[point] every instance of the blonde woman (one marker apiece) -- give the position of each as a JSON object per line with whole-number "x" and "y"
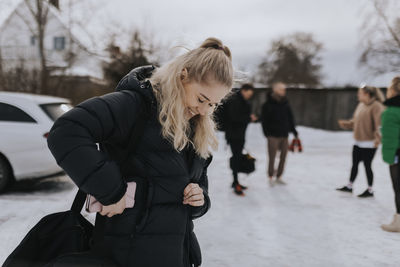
{"x": 169, "y": 165}
{"x": 365, "y": 124}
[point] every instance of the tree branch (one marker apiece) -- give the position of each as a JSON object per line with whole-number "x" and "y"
{"x": 385, "y": 19}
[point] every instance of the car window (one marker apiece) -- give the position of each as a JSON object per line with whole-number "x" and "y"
{"x": 14, "y": 114}
{"x": 55, "y": 110}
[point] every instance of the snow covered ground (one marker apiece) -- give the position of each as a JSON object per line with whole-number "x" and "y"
{"x": 305, "y": 223}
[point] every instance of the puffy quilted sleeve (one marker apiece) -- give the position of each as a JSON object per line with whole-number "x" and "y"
{"x": 73, "y": 137}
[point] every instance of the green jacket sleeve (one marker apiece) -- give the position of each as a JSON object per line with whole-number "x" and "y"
{"x": 390, "y": 134}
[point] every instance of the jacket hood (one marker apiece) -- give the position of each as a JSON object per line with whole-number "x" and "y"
{"x": 393, "y": 102}
{"x": 135, "y": 81}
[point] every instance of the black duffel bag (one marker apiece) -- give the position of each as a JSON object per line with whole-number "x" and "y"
{"x": 244, "y": 164}
{"x": 55, "y": 236}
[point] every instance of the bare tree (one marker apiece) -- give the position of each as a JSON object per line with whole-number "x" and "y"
{"x": 78, "y": 18}
{"x": 39, "y": 11}
{"x": 380, "y": 37}
{"x": 293, "y": 59}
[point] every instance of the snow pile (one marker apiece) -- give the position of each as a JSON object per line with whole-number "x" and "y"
{"x": 305, "y": 223}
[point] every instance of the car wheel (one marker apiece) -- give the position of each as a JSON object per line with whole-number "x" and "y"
{"x": 5, "y": 174}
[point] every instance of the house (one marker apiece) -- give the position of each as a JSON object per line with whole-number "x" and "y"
{"x": 66, "y": 56}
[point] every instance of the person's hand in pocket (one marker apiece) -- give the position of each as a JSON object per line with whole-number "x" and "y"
{"x": 193, "y": 195}
{"x": 114, "y": 209}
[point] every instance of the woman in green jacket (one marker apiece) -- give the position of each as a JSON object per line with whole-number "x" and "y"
{"x": 391, "y": 146}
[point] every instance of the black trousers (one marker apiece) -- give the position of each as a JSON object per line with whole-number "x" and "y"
{"x": 237, "y": 149}
{"x": 365, "y": 155}
{"x": 395, "y": 175}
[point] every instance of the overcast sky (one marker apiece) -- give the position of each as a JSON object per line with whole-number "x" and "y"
{"x": 248, "y": 27}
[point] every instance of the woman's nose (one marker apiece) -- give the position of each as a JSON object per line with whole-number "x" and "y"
{"x": 203, "y": 109}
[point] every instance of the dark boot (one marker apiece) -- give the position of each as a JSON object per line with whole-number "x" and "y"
{"x": 242, "y": 186}
{"x": 345, "y": 189}
{"x": 238, "y": 190}
{"x": 366, "y": 194}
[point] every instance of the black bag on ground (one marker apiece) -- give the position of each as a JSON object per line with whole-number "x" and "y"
{"x": 54, "y": 235}
{"x": 246, "y": 164}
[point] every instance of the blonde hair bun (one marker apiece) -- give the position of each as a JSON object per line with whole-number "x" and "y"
{"x": 216, "y": 43}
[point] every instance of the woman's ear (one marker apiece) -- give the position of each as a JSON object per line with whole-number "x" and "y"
{"x": 184, "y": 74}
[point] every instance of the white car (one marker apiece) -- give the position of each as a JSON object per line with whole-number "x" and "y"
{"x": 25, "y": 121}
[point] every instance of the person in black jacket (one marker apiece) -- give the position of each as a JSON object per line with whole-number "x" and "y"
{"x": 277, "y": 121}
{"x": 169, "y": 164}
{"x": 238, "y": 117}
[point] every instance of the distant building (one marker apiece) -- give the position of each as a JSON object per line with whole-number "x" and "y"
{"x": 74, "y": 71}
{"x": 65, "y": 54}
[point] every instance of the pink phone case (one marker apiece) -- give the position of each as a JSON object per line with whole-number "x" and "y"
{"x": 92, "y": 205}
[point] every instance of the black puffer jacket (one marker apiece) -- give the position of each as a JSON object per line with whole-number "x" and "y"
{"x": 277, "y": 117}
{"x": 238, "y": 113}
{"x": 158, "y": 231}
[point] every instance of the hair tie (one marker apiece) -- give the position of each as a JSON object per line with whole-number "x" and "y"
{"x": 218, "y": 47}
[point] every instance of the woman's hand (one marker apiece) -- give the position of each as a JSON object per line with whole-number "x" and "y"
{"x": 344, "y": 124}
{"x": 193, "y": 195}
{"x": 114, "y": 209}
{"x": 376, "y": 143}
{"x": 253, "y": 117}
{"x": 341, "y": 123}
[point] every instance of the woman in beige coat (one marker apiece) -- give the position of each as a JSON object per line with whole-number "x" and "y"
{"x": 365, "y": 124}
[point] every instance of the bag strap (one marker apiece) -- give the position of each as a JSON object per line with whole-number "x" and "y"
{"x": 79, "y": 201}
